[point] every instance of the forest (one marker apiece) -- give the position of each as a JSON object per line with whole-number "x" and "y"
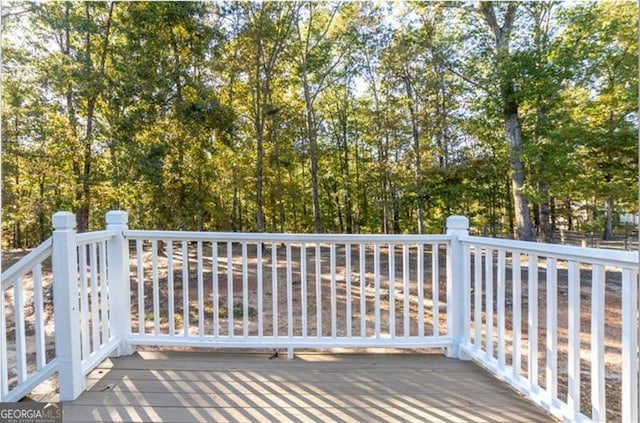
{"x": 346, "y": 117}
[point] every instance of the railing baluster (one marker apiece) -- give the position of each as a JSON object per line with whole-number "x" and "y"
{"x": 199, "y": 264}
{"x": 332, "y": 271}
{"x": 598, "y": 401}
{"x": 573, "y": 397}
{"x": 501, "y": 307}
{"x": 376, "y": 283}
{"x": 104, "y": 292}
{"x": 363, "y": 294}
{"x": 477, "y": 297}
{"x": 516, "y": 279}
{"x": 488, "y": 261}
{"x": 406, "y": 290}
{"x": 289, "y": 293}
{"x": 95, "y": 304}
{"x": 466, "y": 274}
{"x": 21, "y": 349}
{"x": 318, "y": 294}
{"x": 4, "y": 373}
{"x": 170, "y": 288}
{"x": 420, "y": 276}
{"x": 216, "y": 291}
{"x": 303, "y": 288}
{"x": 38, "y": 317}
{"x": 185, "y": 289}
{"x": 156, "y": 288}
{"x": 140, "y": 277}
{"x": 274, "y": 288}
{"x": 347, "y": 276}
{"x": 245, "y": 291}
{"x": 532, "y": 329}
{"x": 392, "y": 290}
{"x": 629, "y": 346}
{"x": 84, "y": 301}
{"x": 435, "y": 283}
{"x": 230, "y": 305}
{"x": 551, "y": 374}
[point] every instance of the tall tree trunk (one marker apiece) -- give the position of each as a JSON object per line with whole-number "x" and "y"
{"x": 524, "y": 229}
{"x": 276, "y": 155}
{"x": 569, "y": 211}
{"x": 344, "y": 135}
{"x": 385, "y": 189}
{"x": 234, "y": 207}
{"x": 510, "y": 211}
{"x": 361, "y": 211}
{"x": 65, "y": 46}
{"x": 84, "y": 210}
{"x": 541, "y": 43}
{"x": 259, "y": 126}
{"x": 544, "y": 213}
{"x": 608, "y": 219}
{"x": 313, "y": 148}
{"x": 336, "y": 197}
{"x": 415, "y": 134}
{"x": 552, "y": 216}
{"x": 294, "y": 208}
{"x": 381, "y": 128}
{"x": 442, "y": 138}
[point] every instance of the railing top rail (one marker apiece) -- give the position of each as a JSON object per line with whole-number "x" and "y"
{"x": 285, "y": 237}
{"x": 26, "y": 263}
{"x": 624, "y": 259}
{"x": 85, "y": 238}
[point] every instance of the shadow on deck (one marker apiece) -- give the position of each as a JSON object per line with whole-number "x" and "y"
{"x": 239, "y": 387}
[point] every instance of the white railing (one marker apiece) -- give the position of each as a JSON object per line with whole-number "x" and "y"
{"x": 96, "y": 338}
{"x": 288, "y": 291}
{"x": 537, "y": 317}
{"x": 557, "y": 323}
{"x": 72, "y": 283}
{"x": 25, "y": 294}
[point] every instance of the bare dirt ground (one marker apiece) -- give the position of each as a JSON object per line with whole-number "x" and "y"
{"x": 347, "y": 305}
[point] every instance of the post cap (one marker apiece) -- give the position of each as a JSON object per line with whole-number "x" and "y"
{"x": 117, "y": 217}
{"x": 64, "y": 220}
{"x": 457, "y": 223}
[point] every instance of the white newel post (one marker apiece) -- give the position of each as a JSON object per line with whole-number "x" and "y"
{"x": 66, "y": 306}
{"x": 456, "y": 291}
{"x": 119, "y": 289}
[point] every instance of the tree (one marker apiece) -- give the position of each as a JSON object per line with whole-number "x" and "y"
{"x": 387, "y": 119}
{"x": 605, "y": 38}
{"x": 510, "y": 103}
{"x": 317, "y": 58}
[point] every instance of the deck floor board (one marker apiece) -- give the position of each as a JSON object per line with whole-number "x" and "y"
{"x": 240, "y": 387}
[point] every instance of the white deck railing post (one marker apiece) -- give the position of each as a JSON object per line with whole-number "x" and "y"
{"x": 456, "y": 290}
{"x": 119, "y": 285}
{"x": 630, "y": 391}
{"x": 66, "y": 306}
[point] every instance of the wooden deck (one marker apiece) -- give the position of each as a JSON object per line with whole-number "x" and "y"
{"x": 238, "y": 387}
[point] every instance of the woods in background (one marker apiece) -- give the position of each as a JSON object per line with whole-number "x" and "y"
{"x": 319, "y": 116}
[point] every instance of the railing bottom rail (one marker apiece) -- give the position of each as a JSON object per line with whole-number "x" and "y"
{"x": 286, "y": 342}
